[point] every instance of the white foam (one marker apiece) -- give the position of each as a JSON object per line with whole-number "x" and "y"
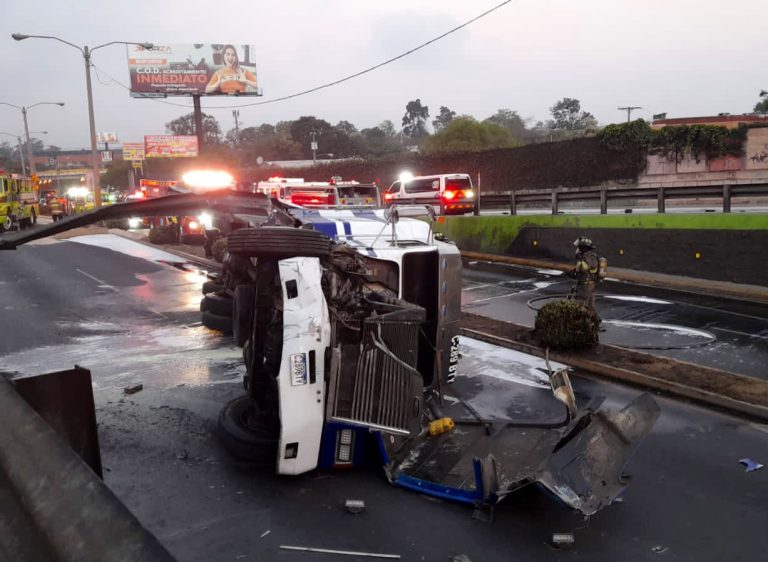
{"x": 125, "y": 246}
{"x": 648, "y": 300}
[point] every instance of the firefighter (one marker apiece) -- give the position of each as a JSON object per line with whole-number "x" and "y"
{"x": 56, "y": 208}
{"x": 589, "y": 270}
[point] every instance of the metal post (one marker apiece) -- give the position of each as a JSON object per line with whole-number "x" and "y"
{"x": 58, "y": 179}
{"x": 554, "y": 201}
{"x": 21, "y": 155}
{"x": 476, "y": 211}
{"x": 95, "y": 168}
{"x": 313, "y": 145}
{"x": 31, "y": 161}
{"x": 726, "y": 198}
{"x": 603, "y": 201}
{"x": 661, "y": 202}
{"x": 512, "y": 203}
{"x": 198, "y": 121}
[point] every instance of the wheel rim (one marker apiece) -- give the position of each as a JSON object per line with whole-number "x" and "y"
{"x": 7, "y": 223}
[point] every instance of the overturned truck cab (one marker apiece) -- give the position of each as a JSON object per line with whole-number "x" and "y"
{"x": 349, "y": 322}
{"x": 352, "y": 323}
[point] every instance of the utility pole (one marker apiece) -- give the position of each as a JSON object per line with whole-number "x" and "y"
{"x": 629, "y": 109}
{"x": 236, "y": 114}
{"x": 314, "y": 147}
{"x": 21, "y": 155}
{"x": 198, "y": 121}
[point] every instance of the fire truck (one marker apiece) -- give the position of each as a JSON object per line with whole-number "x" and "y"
{"x": 19, "y": 201}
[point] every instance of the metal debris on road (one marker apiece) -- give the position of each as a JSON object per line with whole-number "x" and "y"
{"x": 133, "y": 389}
{"x": 341, "y": 552}
{"x": 658, "y": 549}
{"x": 183, "y": 455}
{"x": 563, "y": 540}
{"x": 751, "y": 465}
{"x": 354, "y": 506}
{"x": 460, "y": 558}
{"x": 265, "y": 533}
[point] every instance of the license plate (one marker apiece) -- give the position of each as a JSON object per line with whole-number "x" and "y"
{"x": 298, "y": 369}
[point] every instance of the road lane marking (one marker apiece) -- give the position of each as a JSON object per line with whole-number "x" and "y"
{"x": 102, "y": 284}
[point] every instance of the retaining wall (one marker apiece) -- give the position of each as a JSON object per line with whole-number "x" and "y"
{"x": 719, "y": 247}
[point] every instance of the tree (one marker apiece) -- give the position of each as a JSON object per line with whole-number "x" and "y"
{"x": 185, "y": 125}
{"x": 117, "y": 174}
{"x": 415, "y": 120}
{"x": 302, "y": 133}
{"x": 762, "y": 105}
{"x": 443, "y": 119}
{"x": 388, "y": 127}
{"x": 511, "y": 121}
{"x": 568, "y": 115}
{"x": 269, "y": 142}
{"x": 465, "y": 134}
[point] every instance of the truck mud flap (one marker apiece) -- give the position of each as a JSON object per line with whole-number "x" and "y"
{"x": 585, "y": 470}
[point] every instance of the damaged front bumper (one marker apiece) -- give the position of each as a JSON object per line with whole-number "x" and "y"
{"x": 580, "y": 460}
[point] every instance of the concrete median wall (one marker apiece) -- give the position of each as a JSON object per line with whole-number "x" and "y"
{"x": 719, "y": 247}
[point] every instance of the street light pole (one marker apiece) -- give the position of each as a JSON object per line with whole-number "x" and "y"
{"x": 24, "y": 110}
{"x": 95, "y": 160}
{"x": 87, "y": 52}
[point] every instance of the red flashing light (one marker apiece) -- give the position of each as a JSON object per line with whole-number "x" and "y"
{"x": 389, "y": 196}
{"x": 450, "y": 195}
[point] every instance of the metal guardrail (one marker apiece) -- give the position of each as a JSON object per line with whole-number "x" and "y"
{"x": 661, "y": 195}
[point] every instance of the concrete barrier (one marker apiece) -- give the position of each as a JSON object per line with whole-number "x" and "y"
{"x": 52, "y": 506}
{"x": 716, "y": 247}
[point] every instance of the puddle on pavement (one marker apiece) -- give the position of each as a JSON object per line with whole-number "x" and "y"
{"x": 156, "y": 356}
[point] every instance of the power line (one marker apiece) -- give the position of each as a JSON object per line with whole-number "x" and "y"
{"x": 340, "y": 80}
{"x": 629, "y": 109}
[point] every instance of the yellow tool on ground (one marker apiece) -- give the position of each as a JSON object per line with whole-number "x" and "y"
{"x": 440, "y": 426}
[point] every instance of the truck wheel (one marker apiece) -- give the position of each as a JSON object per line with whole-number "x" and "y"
{"x": 247, "y": 434}
{"x": 242, "y": 313}
{"x": 278, "y": 242}
{"x": 212, "y": 287}
{"x": 7, "y": 222}
{"x": 217, "y": 322}
{"x": 217, "y": 304}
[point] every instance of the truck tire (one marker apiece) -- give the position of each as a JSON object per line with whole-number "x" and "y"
{"x": 278, "y": 242}
{"x": 212, "y": 287}
{"x": 216, "y": 322}
{"x": 242, "y": 313}
{"x": 249, "y": 438}
{"x": 216, "y": 304}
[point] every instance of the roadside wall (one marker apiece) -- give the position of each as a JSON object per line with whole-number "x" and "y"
{"x": 720, "y": 247}
{"x": 571, "y": 163}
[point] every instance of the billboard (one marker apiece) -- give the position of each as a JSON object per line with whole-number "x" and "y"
{"x": 183, "y": 70}
{"x": 106, "y": 138}
{"x": 133, "y": 151}
{"x": 170, "y": 146}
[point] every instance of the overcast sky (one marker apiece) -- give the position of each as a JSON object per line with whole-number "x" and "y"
{"x": 682, "y": 57}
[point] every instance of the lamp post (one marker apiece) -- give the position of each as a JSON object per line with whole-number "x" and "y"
{"x": 21, "y": 149}
{"x": 86, "y": 52}
{"x": 24, "y": 110}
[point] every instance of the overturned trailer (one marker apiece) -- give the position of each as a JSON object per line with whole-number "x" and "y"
{"x": 349, "y": 323}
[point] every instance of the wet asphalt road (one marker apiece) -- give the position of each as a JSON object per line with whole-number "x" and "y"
{"x": 135, "y": 321}
{"x": 722, "y": 333}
